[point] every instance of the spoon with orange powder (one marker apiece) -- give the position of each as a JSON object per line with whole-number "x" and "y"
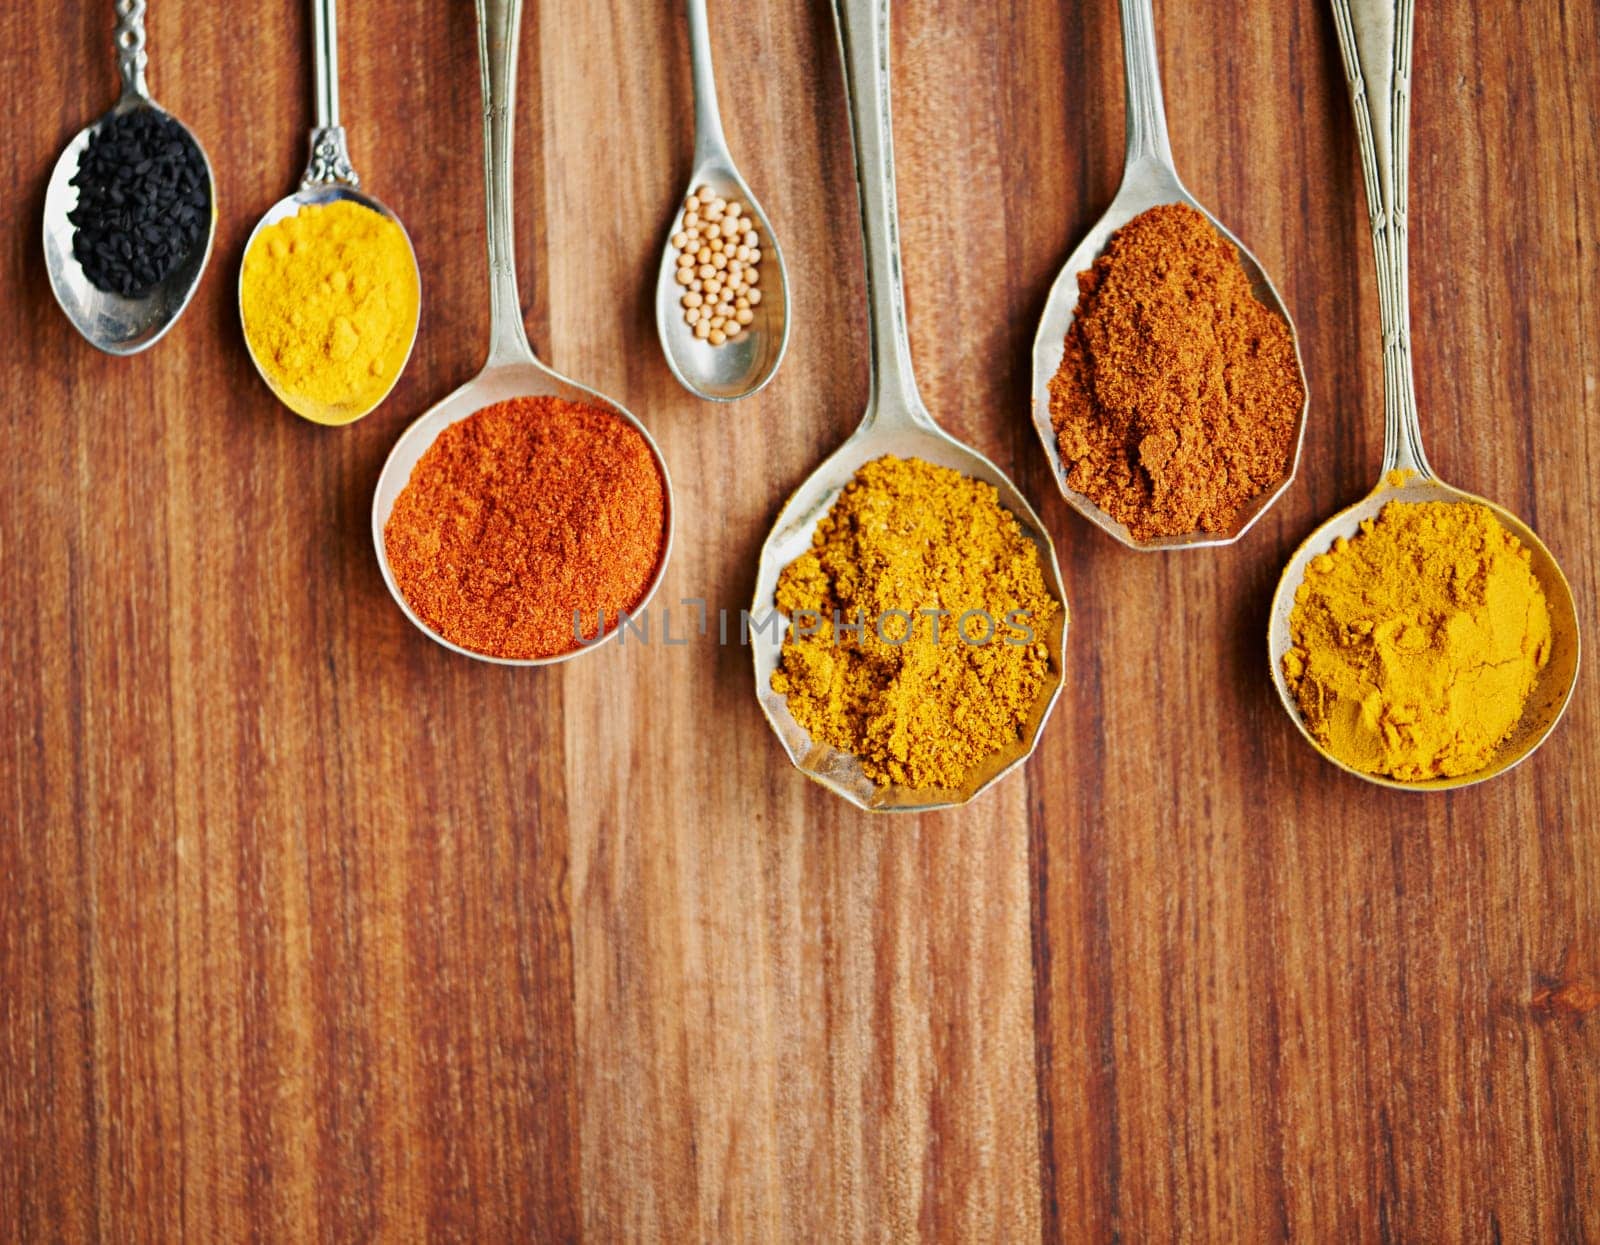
{"x": 512, "y": 370}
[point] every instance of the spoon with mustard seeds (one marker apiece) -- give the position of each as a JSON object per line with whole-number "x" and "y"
{"x": 711, "y": 364}
{"x": 511, "y": 370}
{"x": 125, "y": 323}
{"x": 329, "y": 178}
{"x": 1149, "y": 179}
{"x": 1375, "y": 40}
{"x": 895, "y": 422}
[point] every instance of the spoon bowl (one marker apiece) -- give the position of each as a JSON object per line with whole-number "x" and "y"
{"x": 1553, "y": 687}
{"x": 499, "y": 382}
{"x": 318, "y": 194}
{"x": 735, "y": 369}
{"x": 1149, "y": 179}
{"x": 110, "y": 322}
{"x": 1145, "y": 185}
{"x": 839, "y": 771}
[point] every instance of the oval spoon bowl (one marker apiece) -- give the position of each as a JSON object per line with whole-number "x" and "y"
{"x": 839, "y": 771}
{"x": 497, "y": 384}
{"x": 1553, "y": 687}
{"x": 1145, "y": 186}
{"x": 316, "y": 196}
{"x": 110, "y": 322}
{"x": 734, "y": 369}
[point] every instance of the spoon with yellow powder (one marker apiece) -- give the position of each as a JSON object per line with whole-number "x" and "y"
{"x": 1423, "y": 638}
{"x": 329, "y": 292}
{"x": 897, "y": 424}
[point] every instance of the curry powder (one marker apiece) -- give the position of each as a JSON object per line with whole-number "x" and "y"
{"x": 1416, "y": 644}
{"x": 914, "y": 566}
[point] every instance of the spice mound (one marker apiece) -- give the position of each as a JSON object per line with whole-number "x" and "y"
{"x": 144, "y": 202}
{"x": 1415, "y": 644}
{"x": 1178, "y": 392}
{"x": 523, "y": 522}
{"x": 719, "y": 257}
{"x": 330, "y": 298}
{"x": 926, "y": 607}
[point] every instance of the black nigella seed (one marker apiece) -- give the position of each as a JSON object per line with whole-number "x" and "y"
{"x": 142, "y": 194}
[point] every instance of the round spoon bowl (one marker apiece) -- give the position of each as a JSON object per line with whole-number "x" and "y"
{"x": 838, "y": 771}
{"x": 1553, "y": 687}
{"x": 734, "y": 369}
{"x": 110, "y": 322}
{"x": 1145, "y": 185}
{"x": 498, "y": 383}
{"x": 290, "y": 205}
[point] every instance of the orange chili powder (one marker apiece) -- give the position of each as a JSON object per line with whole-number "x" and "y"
{"x": 521, "y": 515}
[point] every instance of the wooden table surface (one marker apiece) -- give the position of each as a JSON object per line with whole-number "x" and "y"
{"x": 311, "y": 930}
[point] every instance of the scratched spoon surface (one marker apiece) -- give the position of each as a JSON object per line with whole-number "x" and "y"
{"x": 740, "y": 368}
{"x": 512, "y": 370}
{"x": 1149, "y": 179}
{"x": 1375, "y": 39}
{"x": 110, "y": 322}
{"x": 896, "y": 422}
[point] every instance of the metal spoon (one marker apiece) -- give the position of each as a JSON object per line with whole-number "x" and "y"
{"x": 895, "y": 422}
{"x": 739, "y": 368}
{"x": 1149, "y": 180}
{"x": 511, "y": 370}
{"x": 329, "y": 177}
{"x": 1375, "y": 38}
{"x": 110, "y": 322}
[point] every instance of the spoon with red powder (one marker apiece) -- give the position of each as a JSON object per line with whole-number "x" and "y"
{"x": 1149, "y": 440}
{"x": 519, "y": 515}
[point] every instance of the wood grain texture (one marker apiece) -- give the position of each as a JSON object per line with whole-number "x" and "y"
{"x": 310, "y": 930}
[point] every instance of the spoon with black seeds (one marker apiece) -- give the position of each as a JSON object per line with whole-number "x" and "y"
{"x": 130, "y": 212}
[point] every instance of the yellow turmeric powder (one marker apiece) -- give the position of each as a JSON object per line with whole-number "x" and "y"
{"x": 1416, "y": 644}
{"x": 926, "y": 609}
{"x": 329, "y": 298}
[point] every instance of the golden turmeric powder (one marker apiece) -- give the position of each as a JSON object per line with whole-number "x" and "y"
{"x": 1416, "y": 644}
{"x": 329, "y": 298}
{"x": 916, "y": 625}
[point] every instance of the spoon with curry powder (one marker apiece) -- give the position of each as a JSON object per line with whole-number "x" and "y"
{"x": 895, "y": 423}
{"x": 330, "y": 178}
{"x": 1149, "y": 180}
{"x": 1375, "y": 39}
{"x": 511, "y": 370}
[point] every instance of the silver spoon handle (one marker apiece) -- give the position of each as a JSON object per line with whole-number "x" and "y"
{"x": 709, "y": 141}
{"x": 863, "y": 27}
{"x": 131, "y": 55}
{"x": 1147, "y": 116}
{"x": 499, "y": 24}
{"x": 330, "y": 156}
{"x": 1375, "y": 38}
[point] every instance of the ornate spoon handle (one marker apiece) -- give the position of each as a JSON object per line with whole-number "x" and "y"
{"x": 131, "y": 55}
{"x": 330, "y": 157}
{"x": 1375, "y": 38}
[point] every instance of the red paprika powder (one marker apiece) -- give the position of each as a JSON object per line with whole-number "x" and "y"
{"x": 522, "y": 515}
